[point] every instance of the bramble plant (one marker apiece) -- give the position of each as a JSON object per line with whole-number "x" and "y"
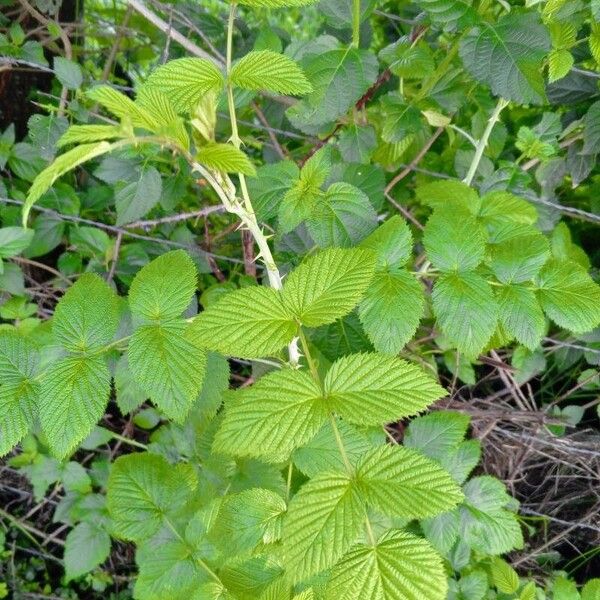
{"x": 292, "y": 486}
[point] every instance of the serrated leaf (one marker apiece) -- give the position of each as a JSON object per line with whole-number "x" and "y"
{"x": 13, "y": 240}
{"x": 466, "y": 311}
{"x": 442, "y": 531}
{"x": 163, "y": 289}
{"x": 73, "y": 398}
{"x": 520, "y": 258}
{"x": 276, "y": 3}
{"x": 505, "y": 577}
{"x": 591, "y": 590}
{"x": 328, "y": 285}
{"x": 87, "y": 316}
{"x": 521, "y": 315}
{"x": 451, "y": 195}
{"x": 454, "y": 241}
{"x": 185, "y": 81}
{"x": 507, "y": 56}
{"x": 266, "y": 70}
{"x": 280, "y": 412}
{"x": 138, "y": 197}
{"x": 19, "y": 361}
{"x": 391, "y": 242}
{"x": 391, "y": 310}
{"x": 342, "y": 217}
{"x": 122, "y": 106}
{"x": 64, "y": 163}
{"x": 400, "y": 119}
{"x": 569, "y": 296}
{"x": 271, "y": 183}
{"x": 460, "y": 12}
{"x": 86, "y": 546}
{"x": 249, "y": 323}
{"x": 437, "y": 434}
{"x": 323, "y": 520}
{"x": 357, "y": 143}
{"x": 560, "y": 62}
{"x": 372, "y": 389}
{"x": 168, "y": 365}
{"x": 78, "y": 134}
{"x": 400, "y": 482}
{"x": 401, "y": 566}
{"x": 503, "y": 208}
{"x": 226, "y": 158}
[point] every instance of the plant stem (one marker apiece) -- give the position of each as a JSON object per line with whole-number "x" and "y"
{"x": 483, "y": 142}
{"x": 309, "y": 360}
{"x": 356, "y": 23}
{"x": 129, "y": 441}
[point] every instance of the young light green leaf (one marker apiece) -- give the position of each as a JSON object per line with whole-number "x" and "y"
{"x": 501, "y": 208}
{"x": 266, "y": 70}
{"x": 466, "y": 311}
{"x": 19, "y": 360}
{"x": 521, "y": 315}
{"x": 372, "y": 389}
{"x": 79, "y": 134}
{"x": 163, "y": 289}
{"x": 323, "y": 520}
{"x": 403, "y": 483}
{"x": 401, "y": 566}
{"x": 280, "y": 412}
{"x": 276, "y": 3}
{"x": 185, "y": 81}
{"x": 249, "y": 323}
{"x": 451, "y": 195}
{"x": 122, "y": 106}
{"x": 328, "y": 285}
{"x": 86, "y": 547}
{"x": 226, "y": 158}
{"x": 569, "y": 296}
{"x": 506, "y": 579}
{"x": 391, "y": 310}
{"x": 73, "y": 398}
{"x": 507, "y": 56}
{"x": 87, "y": 316}
{"x": 168, "y": 365}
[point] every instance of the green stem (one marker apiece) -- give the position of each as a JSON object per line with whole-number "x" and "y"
{"x": 340, "y": 445}
{"x": 483, "y": 142}
{"x": 309, "y": 360}
{"x": 356, "y": 23}
{"x": 129, "y": 441}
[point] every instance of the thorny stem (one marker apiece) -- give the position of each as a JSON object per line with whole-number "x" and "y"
{"x": 483, "y": 142}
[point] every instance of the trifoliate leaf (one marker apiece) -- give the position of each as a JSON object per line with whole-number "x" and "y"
{"x": 403, "y": 483}
{"x": 19, "y": 361}
{"x": 328, "y": 285}
{"x": 454, "y": 241}
{"x": 323, "y": 520}
{"x": 163, "y": 289}
{"x": 73, "y": 398}
{"x": 521, "y": 315}
{"x": 185, "y": 81}
{"x": 401, "y": 566}
{"x": 507, "y": 56}
{"x": 342, "y": 217}
{"x": 391, "y": 310}
{"x": 280, "y": 412}
{"x": 249, "y": 323}
{"x": 466, "y": 311}
{"x": 168, "y": 365}
{"x": 520, "y": 258}
{"x": 569, "y": 296}
{"x": 86, "y": 547}
{"x": 226, "y": 158}
{"x": 266, "y": 70}
{"x": 87, "y": 316}
{"x": 372, "y": 389}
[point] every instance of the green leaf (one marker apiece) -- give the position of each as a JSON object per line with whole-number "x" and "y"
{"x": 450, "y": 195}
{"x": 560, "y": 62}
{"x": 68, "y": 72}
{"x": 163, "y": 289}
{"x": 507, "y": 56}
{"x": 226, "y": 158}
{"x": 342, "y": 217}
{"x": 400, "y": 119}
{"x": 328, "y": 285}
{"x": 437, "y": 434}
{"x": 408, "y": 60}
{"x": 372, "y": 389}
{"x": 460, "y": 12}
{"x": 391, "y": 310}
{"x": 78, "y": 134}
{"x": 521, "y": 315}
{"x": 138, "y": 197}
{"x": 266, "y": 70}
{"x": 454, "y": 241}
{"x": 520, "y": 258}
{"x": 247, "y": 518}
{"x": 401, "y": 566}
{"x": 64, "y": 163}
{"x": 271, "y": 183}
{"x": 357, "y": 143}
{"x": 87, "y": 316}
{"x": 591, "y": 590}
{"x": 73, "y": 398}
{"x": 569, "y": 296}
{"x": 403, "y": 483}
{"x": 505, "y": 577}
{"x": 280, "y": 412}
{"x": 168, "y": 365}
{"x": 19, "y": 361}
{"x": 13, "y": 240}
{"x": 86, "y": 547}
{"x": 122, "y": 106}
{"x": 323, "y": 520}
{"x": 591, "y": 130}
{"x": 466, "y": 311}
{"x": 502, "y": 208}
{"x": 276, "y": 3}
{"x": 142, "y": 489}
{"x": 250, "y": 323}
{"x": 185, "y": 81}
{"x": 391, "y": 242}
